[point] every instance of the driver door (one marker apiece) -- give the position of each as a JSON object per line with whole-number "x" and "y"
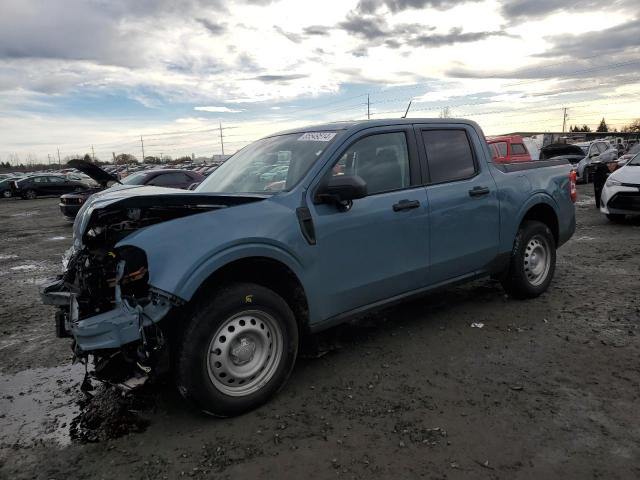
{"x": 379, "y": 247}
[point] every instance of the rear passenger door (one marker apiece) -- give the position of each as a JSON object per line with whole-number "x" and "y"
{"x": 59, "y": 186}
{"x": 463, "y": 201}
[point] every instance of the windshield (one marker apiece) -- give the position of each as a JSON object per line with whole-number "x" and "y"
{"x": 635, "y": 161}
{"x": 134, "y": 179}
{"x": 585, "y": 148}
{"x": 269, "y": 165}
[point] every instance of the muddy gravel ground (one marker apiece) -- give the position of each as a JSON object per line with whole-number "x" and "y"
{"x": 547, "y": 388}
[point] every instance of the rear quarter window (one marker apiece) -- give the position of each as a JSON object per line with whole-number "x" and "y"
{"x": 518, "y": 149}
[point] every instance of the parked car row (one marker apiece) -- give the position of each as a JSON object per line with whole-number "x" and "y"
{"x": 170, "y": 178}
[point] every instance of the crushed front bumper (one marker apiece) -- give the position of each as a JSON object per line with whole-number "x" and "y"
{"x": 107, "y": 330}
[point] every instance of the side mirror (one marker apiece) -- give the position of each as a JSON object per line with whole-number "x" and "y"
{"x": 342, "y": 189}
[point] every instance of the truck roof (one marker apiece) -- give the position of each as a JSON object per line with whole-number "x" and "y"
{"x": 354, "y": 126}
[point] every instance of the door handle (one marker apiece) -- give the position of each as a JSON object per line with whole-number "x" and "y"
{"x": 478, "y": 191}
{"x": 405, "y": 205}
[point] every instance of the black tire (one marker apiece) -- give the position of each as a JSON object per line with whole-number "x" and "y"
{"x": 616, "y": 217}
{"x": 7, "y": 194}
{"x": 29, "y": 195}
{"x": 520, "y": 280}
{"x": 195, "y": 374}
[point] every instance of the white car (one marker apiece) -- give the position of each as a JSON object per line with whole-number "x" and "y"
{"x": 621, "y": 193}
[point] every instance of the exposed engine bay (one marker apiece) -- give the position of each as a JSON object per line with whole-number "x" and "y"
{"x": 104, "y": 298}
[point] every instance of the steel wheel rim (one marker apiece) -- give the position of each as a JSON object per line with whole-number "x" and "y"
{"x": 6, "y": 194}
{"x": 31, "y": 195}
{"x": 537, "y": 260}
{"x": 244, "y": 353}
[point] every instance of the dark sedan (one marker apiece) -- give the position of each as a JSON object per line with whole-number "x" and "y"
{"x": 71, "y": 203}
{"x": 43, "y": 185}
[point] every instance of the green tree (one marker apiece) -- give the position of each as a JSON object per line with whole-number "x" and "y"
{"x": 603, "y": 126}
{"x": 585, "y": 128}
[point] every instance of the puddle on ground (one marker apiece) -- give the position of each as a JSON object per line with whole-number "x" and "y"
{"x": 47, "y": 404}
{"x": 55, "y": 239}
{"x": 39, "y": 404}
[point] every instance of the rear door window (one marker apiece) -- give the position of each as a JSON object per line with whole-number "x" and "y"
{"x": 449, "y": 155}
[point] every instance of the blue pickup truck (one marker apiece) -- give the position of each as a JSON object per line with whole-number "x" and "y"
{"x": 295, "y": 233}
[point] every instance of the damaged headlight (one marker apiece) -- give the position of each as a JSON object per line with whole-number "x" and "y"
{"x": 132, "y": 279}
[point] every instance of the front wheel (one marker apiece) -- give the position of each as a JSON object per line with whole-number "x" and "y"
{"x": 6, "y": 194}
{"x": 237, "y": 351}
{"x": 533, "y": 261}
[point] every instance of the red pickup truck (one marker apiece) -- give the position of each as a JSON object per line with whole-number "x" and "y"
{"x": 508, "y": 149}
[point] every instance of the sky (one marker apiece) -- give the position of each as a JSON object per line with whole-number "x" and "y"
{"x": 81, "y": 73}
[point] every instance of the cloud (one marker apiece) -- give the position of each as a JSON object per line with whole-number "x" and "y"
{"x": 278, "y": 78}
{"x": 213, "y": 28}
{"x": 617, "y": 39}
{"x": 318, "y": 30}
{"x": 533, "y": 9}
{"x": 217, "y": 109}
{"x": 294, "y": 37}
{"x": 376, "y": 31}
{"x": 395, "y": 6}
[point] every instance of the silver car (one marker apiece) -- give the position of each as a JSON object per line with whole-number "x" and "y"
{"x": 596, "y": 151}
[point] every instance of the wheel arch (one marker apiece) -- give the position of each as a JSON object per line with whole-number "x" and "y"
{"x": 267, "y": 272}
{"x": 545, "y": 213}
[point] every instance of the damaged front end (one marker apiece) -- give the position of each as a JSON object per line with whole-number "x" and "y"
{"x": 104, "y": 300}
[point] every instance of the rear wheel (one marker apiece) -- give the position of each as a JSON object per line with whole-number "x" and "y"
{"x": 29, "y": 195}
{"x": 616, "y": 217}
{"x": 533, "y": 261}
{"x": 237, "y": 351}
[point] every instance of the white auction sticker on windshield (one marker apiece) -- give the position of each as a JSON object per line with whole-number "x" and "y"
{"x": 317, "y": 137}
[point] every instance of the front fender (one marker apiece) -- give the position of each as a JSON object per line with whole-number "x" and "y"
{"x": 191, "y": 279}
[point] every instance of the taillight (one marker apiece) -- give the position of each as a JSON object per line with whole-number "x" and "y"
{"x": 573, "y": 192}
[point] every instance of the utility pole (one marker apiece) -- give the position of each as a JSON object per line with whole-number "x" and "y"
{"x": 93, "y": 154}
{"x": 368, "y": 111}
{"x": 221, "y": 140}
{"x": 49, "y": 157}
{"x": 142, "y": 143}
{"x": 564, "y": 119}
{"x": 59, "y": 161}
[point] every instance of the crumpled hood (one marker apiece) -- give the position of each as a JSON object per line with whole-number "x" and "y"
{"x": 137, "y": 196}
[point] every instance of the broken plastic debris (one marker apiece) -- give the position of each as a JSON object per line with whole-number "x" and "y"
{"x": 477, "y": 325}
